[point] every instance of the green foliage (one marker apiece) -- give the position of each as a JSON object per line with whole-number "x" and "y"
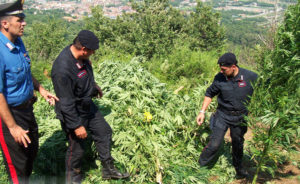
{"x": 101, "y": 26}
{"x": 155, "y": 28}
{"x": 41, "y": 70}
{"x": 203, "y": 28}
{"x": 184, "y": 67}
{"x": 3, "y": 177}
{"x": 242, "y": 32}
{"x": 148, "y": 148}
{"x": 52, "y": 142}
{"x": 44, "y": 40}
{"x": 146, "y": 32}
{"x": 157, "y": 24}
{"x": 168, "y": 145}
{"x": 34, "y": 15}
{"x": 278, "y": 94}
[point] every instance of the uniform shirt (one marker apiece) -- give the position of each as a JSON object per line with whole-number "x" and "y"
{"x": 15, "y": 75}
{"x": 74, "y": 85}
{"x": 233, "y": 93}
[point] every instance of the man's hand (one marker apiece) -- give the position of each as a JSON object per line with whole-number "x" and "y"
{"x": 200, "y": 118}
{"x": 100, "y": 93}
{"x": 20, "y": 135}
{"x": 49, "y": 97}
{"x": 201, "y": 115}
{"x": 80, "y": 132}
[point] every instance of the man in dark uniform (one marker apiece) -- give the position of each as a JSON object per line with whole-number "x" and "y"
{"x": 233, "y": 85}
{"x": 18, "y": 128}
{"x": 74, "y": 84}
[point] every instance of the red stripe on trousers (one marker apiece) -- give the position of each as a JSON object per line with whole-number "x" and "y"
{"x": 12, "y": 169}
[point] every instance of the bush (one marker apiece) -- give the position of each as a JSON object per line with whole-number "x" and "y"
{"x": 44, "y": 41}
{"x": 184, "y": 67}
{"x": 278, "y": 95}
{"x": 162, "y": 148}
{"x": 155, "y": 27}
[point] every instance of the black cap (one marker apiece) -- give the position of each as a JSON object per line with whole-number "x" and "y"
{"x": 88, "y": 39}
{"x": 227, "y": 59}
{"x": 15, "y": 9}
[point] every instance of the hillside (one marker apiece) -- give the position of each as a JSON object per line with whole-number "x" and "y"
{"x": 154, "y": 67}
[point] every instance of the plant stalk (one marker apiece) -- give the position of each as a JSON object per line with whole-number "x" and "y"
{"x": 262, "y": 158}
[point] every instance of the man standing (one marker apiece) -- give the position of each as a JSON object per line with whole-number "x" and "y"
{"x": 73, "y": 80}
{"x": 18, "y": 128}
{"x": 233, "y": 87}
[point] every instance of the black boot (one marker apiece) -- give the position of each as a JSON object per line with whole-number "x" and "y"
{"x": 241, "y": 172}
{"x": 110, "y": 172}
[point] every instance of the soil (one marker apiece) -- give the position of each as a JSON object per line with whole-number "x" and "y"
{"x": 286, "y": 174}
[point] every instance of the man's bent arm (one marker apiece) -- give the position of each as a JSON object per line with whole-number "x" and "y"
{"x": 206, "y": 103}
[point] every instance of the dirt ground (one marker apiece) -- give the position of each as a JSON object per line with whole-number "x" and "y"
{"x": 286, "y": 174}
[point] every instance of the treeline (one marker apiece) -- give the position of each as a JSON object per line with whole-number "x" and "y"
{"x": 243, "y": 32}
{"x": 155, "y": 29}
{"x": 157, "y": 33}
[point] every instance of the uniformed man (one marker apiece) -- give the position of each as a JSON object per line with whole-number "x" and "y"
{"x": 18, "y": 128}
{"x": 233, "y": 85}
{"x": 74, "y": 84}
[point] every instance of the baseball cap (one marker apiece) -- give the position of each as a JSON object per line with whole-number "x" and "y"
{"x": 88, "y": 39}
{"x": 227, "y": 59}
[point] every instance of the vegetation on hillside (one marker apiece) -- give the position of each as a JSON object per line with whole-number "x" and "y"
{"x": 154, "y": 67}
{"x": 156, "y": 29}
{"x": 276, "y": 117}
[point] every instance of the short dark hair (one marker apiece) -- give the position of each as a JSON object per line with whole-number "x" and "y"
{"x": 8, "y": 17}
{"x": 76, "y": 43}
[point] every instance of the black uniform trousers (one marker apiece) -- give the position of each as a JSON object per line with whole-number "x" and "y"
{"x": 18, "y": 159}
{"x": 101, "y": 134}
{"x": 219, "y": 128}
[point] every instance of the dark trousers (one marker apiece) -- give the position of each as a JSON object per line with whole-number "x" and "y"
{"x": 219, "y": 129}
{"x": 101, "y": 134}
{"x": 18, "y": 159}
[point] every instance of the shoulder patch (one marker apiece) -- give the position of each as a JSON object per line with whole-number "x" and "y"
{"x": 8, "y": 45}
{"x": 79, "y": 66}
{"x": 81, "y": 73}
{"x": 242, "y": 84}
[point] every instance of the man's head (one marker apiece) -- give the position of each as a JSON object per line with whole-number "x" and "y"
{"x": 12, "y": 21}
{"x": 228, "y": 64}
{"x": 12, "y": 25}
{"x": 86, "y": 43}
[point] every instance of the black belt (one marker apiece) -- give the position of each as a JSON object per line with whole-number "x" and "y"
{"x": 26, "y": 104}
{"x": 234, "y": 113}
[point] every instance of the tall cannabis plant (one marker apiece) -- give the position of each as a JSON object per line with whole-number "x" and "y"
{"x": 275, "y": 103}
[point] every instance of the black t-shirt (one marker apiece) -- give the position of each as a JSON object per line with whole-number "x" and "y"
{"x": 233, "y": 93}
{"x": 74, "y": 85}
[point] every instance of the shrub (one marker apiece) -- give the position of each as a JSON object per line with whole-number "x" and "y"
{"x": 278, "y": 95}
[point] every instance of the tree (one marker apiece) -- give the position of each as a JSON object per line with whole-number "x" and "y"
{"x": 155, "y": 27}
{"x": 204, "y": 29}
{"x": 46, "y": 40}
